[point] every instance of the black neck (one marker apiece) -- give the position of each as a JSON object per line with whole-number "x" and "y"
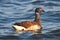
{"x": 37, "y": 18}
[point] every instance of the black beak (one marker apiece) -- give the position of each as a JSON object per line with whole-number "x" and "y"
{"x": 43, "y": 10}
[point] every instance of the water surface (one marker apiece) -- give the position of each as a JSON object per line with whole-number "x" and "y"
{"x": 12, "y": 11}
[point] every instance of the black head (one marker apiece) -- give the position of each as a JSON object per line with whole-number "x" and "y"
{"x": 38, "y": 10}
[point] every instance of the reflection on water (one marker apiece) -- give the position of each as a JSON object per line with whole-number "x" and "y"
{"x": 12, "y": 11}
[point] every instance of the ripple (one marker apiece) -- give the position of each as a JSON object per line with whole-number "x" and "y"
{"x": 14, "y": 3}
{"x": 51, "y": 4}
{"x": 4, "y": 5}
{"x": 37, "y": 2}
{"x": 1, "y": 12}
{"x": 4, "y": 28}
{"x": 10, "y": 37}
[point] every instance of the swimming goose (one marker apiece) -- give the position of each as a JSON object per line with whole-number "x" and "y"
{"x": 30, "y": 25}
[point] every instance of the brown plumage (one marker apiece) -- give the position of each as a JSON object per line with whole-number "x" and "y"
{"x": 26, "y": 24}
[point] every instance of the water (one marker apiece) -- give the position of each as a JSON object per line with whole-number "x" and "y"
{"x": 12, "y": 11}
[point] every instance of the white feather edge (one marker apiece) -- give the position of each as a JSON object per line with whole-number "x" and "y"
{"x": 19, "y": 27}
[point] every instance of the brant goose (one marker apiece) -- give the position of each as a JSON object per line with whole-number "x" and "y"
{"x": 34, "y": 26}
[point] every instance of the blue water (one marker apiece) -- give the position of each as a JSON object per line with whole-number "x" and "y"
{"x": 12, "y": 11}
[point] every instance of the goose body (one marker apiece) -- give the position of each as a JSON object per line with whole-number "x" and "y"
{"x": 30, "y": 25}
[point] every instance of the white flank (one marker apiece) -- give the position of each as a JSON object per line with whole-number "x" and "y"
{"x": 18, "y": 27}
{"x": 34, "y": 27}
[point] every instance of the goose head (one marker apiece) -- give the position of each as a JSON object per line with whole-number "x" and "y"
{"x": 39, "y": 10}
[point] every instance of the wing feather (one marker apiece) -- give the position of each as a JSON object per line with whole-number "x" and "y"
{"x": 26, "y": 24}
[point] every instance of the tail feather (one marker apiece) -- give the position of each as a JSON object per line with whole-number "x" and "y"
{"x": 18, "y": 27}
